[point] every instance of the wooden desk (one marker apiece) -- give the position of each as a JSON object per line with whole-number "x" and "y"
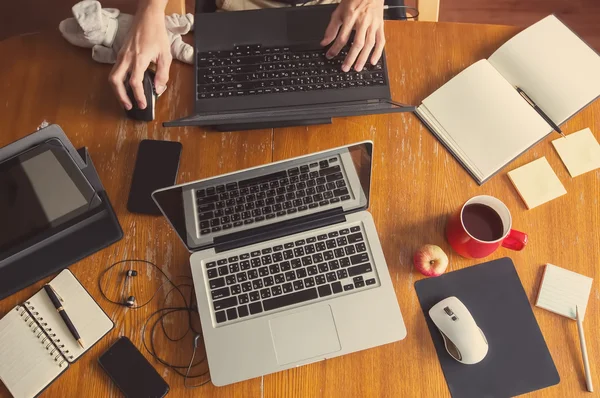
{"x": 416, "y": 184}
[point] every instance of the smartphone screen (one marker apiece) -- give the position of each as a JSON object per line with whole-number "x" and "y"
{"x": 131, "y": 372}
{"x": 156, "y": 167}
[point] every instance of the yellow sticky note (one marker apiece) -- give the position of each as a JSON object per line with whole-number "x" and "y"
{"x": 536, "y": 183}
{"x": 579, "y": 152}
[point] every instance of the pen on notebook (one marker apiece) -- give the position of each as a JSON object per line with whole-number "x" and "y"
{"x": 54, "y": 297}
{"x": 586, "y": 364}
{"x": 539, "y": 111}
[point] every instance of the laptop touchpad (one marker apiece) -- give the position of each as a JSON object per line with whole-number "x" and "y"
{"x": 304, "y": 335}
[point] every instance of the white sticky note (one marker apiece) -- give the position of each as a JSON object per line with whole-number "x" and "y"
{"x": 579, "y": 152}
{"x": 536, "y": 183}
{"x": 563, "y": 290}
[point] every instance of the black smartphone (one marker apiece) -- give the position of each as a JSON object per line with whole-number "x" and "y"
{"x": 131, "y": 372}
{"x": 156, "y": 167}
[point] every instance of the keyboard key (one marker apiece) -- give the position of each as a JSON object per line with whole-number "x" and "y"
{"x": 285, "y": 266}
{"x": 298, "y": 285}
{"x": 331, "y": 244}
{"x": 342, "y": 274}
{"x": 328, "y": 255}
{"x": 312, "y": 270}
{"x": 278, "y": 248}
{"x": 231, "y": 314}
{"x": 255, "y": 262}
{"x": 330, "y": 277}
{"x": 360, "y": 269}
{"x": 333, "y": 265}
{"x": 301, "y": 273}
{"x": 290, "y": 299}
{"x": 246, "y": 286}
{"x": 296, "y": 263}
{"x": 230, "y": 279}
{"x": 290, "y": 276}
{"x": 339, "y": 252}
{"x": 220, "y": 293}
{"x": 336, "y": 287}
{"x": 265, "y": 293}
{"x": 348, "y": 287}
{"x": 307, "y": 260}
{"x": 359, "y": 284}
{"x": 225, "y": 303}
{"x": 211, "y": 264}
{"x": 350, "y": 250}
{"x": 257, "y": 284}
{"x": 255, "y": 308}
{"x": 233, "y": 268}
{"x": 370, "y": 281}
{"x": 320, "y": 279}
{"x": 287, "y": 287}
{"x": 222, "y": 261}
{"x": 217, "y": 283}
{"x": 309, "y": 282}
{"x": 212, "y": 273}
{"x": 355, "y": 229}
{"x": 357, "y": 279}
{"x": 242, "y": 311}
{"x": 268, "y": 281}
{"x": 359, "y": 258}
{"x": 324, "y": 290}
{"x": 254, "y": 296}
{"x": 241, "y": 276}
{"x": 220, "y": 316}
{"x": 276, "y": 290}
{"x": 279, "y": 278}
{"x": 344, "y": 262}
{"x": 252, "y": 274}
{"x": 323, "y": 268}
{"x": 235, "y": 289}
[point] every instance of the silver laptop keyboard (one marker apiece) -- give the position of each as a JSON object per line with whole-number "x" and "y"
{"x": 296, "y": 190}
{"x": 304, "y": 270}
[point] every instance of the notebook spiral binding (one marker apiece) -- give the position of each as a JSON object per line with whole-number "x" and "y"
{"x": 43, "y": 333}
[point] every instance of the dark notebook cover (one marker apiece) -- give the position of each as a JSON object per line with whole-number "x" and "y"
{"x": 518, "y": 360}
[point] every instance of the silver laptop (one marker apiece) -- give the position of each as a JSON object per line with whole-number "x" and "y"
{"x": 287, "y": 265}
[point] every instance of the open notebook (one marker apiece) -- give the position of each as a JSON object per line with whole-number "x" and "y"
{"x": 35, "y": 344}
{"x": 481, "y": 118}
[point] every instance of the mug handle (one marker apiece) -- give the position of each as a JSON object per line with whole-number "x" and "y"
{"x": 515, "y": 240}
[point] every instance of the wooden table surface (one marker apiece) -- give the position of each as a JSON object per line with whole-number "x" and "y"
{"x": 416, "y": 184}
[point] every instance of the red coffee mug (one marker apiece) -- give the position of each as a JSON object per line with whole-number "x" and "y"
{"x": 465, "y": 244}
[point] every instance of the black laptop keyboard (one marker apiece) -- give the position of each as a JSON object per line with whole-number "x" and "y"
{"x": 290, "y": 273}
{"x": 287, "y": 192}
{"x": 250, "y": 70}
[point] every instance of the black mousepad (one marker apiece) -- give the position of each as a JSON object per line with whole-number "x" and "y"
{"x": 518, "y": 360}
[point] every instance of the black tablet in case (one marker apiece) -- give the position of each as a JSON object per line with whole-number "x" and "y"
{"x": 55, "y": 209}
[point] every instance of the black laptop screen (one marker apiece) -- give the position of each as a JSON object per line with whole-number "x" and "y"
{"x": 334, "y": 181}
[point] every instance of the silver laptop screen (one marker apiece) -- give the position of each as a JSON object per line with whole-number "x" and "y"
{"x": 336, "y": 180}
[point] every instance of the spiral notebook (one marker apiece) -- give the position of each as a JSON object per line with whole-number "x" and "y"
{"x": 35, "y": 344}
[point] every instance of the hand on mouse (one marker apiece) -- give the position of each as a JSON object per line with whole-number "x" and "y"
{"x": 147, "y": 42}
{"x": 366, "y": 18}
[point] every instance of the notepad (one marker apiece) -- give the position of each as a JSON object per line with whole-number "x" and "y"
{"x": 579, "y": 152}
{"x": 562, "y": 290}
{"x": 536, "y": 183}
{"x": 483, "y": 121}
{"x": 35, "y": 344}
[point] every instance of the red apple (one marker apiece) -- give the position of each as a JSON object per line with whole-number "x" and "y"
{"x": 430, "y": 260}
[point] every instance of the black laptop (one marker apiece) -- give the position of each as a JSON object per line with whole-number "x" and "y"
{"x": 266, "y": 68}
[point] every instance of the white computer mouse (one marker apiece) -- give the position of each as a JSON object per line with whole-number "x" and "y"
{"x": 464, "y": 340}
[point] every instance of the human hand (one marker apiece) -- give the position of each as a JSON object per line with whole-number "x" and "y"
{"x": 366, "y": 18}
{"x": 147, "y": 42}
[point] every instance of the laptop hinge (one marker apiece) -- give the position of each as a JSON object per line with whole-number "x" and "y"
{"x": 279, "y": 230}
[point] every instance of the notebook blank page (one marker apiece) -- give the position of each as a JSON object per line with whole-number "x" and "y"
{"x": 89, "y": 319}
{"x": 553, "y": 66}
{"x": 26, "y": 367}
{"x": 562, "y": 290}
{"x": 485, "y": 117}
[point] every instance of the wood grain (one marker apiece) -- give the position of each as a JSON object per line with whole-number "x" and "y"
{"x": 416, "y": 184}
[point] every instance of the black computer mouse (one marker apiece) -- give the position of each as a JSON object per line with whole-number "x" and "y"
{"x": 135, "y": 112}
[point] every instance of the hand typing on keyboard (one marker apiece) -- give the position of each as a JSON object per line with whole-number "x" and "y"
{"x": 365, "y": 17}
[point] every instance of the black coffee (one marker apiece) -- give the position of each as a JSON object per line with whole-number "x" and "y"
{"x": 483, "y": 222}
